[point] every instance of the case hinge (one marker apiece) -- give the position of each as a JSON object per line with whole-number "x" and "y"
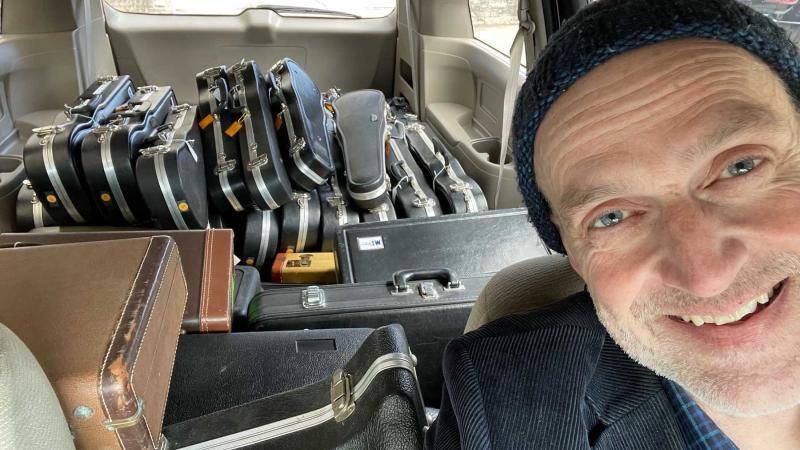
{"x": 313, "y": 297}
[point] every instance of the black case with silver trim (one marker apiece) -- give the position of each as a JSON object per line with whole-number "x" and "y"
{"x": 110, "y": 151}
{"x": 255, "y": 238}
{"x": 300, "y": 223}
{"x": 303, "y": 133}
{"x": 30, "y": 212}
{"x": 264, "y": 172}
{"x": 52, "y": 155}
{"x": 361, "y": 130}
{"x": 349, "y": 408}
{"x": 171, "y": 174}
{"x": 384, "y": 212}
{"x": 430, "y": 312}
{"x": 411, "y": 194}
{"x": 336, "y": 212}
{"x": 226, "y": 186}
{"x": 457, "y": 192}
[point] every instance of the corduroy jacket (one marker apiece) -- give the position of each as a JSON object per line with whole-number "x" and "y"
{"x": 550, "y": 379}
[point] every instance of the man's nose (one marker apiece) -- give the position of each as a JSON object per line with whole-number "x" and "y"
{"x": 699, "y": 254}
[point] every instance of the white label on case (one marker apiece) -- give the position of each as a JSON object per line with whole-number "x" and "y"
{"x": 370, "y": 243}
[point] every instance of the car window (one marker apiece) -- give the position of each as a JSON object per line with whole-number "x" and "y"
{"x": 495, "y": 23}
{"x": 314, "y": 8}
{"x": 785, "y": 12}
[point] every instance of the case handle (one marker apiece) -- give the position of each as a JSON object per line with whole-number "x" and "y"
{"x": 403, "y": 277}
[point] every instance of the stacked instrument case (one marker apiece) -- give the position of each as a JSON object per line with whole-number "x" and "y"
{"x": 171, "y": 173}
{"x": 264, "y": 172}
{"x": 303, "y": 115}
{"x": 224, "y": 172}
{"x": 109, "y": 154}
{"x": 52, "y": 154}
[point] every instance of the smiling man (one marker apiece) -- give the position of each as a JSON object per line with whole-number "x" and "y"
{"x": 658, "y": 147}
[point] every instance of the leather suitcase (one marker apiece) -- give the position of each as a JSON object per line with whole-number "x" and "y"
{"x": 412, "y": 196}
{"x": 171, "y": 174}
{"x": 384, "y": 212}
{"x": 264, "y": 173}
{"x": 226, "y": 187}
{"x": 206, "y": 258}
{"x": 304, "y": 268}
{"x": 470, "y": 244}
{"x": 307, "y": 147}
{"x": 110, "y": 151}
{"x": 300, "y": 223}
{"x": 361, "y": 130}
{"x": 53, "y": 153}
{"x": 371, "y": 402}
{"x": 214, "y": 372}
{"x": 107, "y": 343}
{"x": 432, "y": 305}
{"x": 30, "y": 212}
{"x": 256, "y": 238}
{"x": 246, "y": 284}
{"x": 457, "y": 192}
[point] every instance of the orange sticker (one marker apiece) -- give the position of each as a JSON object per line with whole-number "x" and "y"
{"x": 105, "y": 197}
{"x": 329, "y": 107}
{"x": 183, "y": 206}
{"x": 52, "y": 198}
{"x": 206, "y": 121}
{"x": 249, "y": 261}
{"x": 278, "y": 121}
{"x": 233, "y": 129}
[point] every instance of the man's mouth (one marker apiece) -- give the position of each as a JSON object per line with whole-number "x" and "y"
{"x": 751, "y": 308}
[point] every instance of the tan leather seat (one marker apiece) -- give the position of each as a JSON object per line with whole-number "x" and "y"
{"x": 523, "y": 287}
{"x": 30, "y": 414}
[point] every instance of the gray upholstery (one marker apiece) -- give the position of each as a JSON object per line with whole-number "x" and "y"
{"x": 30, "y": 414}
{"x": 523, "y": 287}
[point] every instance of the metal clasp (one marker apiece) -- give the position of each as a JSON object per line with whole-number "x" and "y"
{"x": 107, "y": 78}
{"x": 146, "y": 89}
{"x": 211, "y": 72}
{"x": 48, "y": 130}
{"x": 342, "y": 395}
{"x": 427, "y": 291}
{"x": 153, "y": 151}
{"x": 298, "y": 145}
{"x": 313, "y": 297}
{"x": 258, "y": 162}
{"x": 224, "y": 165}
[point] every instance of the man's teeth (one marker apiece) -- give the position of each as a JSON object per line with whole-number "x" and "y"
{"x": 745, "y": 310}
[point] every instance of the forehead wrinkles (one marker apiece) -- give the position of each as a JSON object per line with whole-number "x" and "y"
{"x": 627, "y": 93}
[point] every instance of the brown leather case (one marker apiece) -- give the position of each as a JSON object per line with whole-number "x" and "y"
{"x": 207, "y": 258}
{"x": 103, "y": 320}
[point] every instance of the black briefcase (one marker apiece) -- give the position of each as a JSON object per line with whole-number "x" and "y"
{"x": 306, "y": 146}
{"x": 255, "y": 238}
{"x": 432, "y": 306}
{"x": 110, "y": 151}
{"x": 226, "y": 187}
{"x": 412, "y": 196}
{"x": 264, "y": 172}
{"x": 361, "y": 130}
{"x": 30, "y": 212}
{"x": 371, "y": 402}
{"x": 171, "y": 174}
{"x": 52, "y": 155}
{"x": 300, "y": 223}
{"x": 457, "y": 191}
{"x": 470, "y": 244}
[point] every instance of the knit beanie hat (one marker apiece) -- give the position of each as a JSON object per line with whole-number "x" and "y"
{"x": 608, "y": 28}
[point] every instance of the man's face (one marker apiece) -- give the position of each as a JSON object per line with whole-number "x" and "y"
{"x": 673, "y": 173}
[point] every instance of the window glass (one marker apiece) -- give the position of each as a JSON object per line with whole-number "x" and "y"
{"x": 495, "y": 23}
{"x": 302, "y": 8}
{"x": 785, "y": 12}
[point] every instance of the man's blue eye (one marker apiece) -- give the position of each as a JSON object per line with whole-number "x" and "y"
{"x": 741, "y": 167}
{"x": 609, "y": 219}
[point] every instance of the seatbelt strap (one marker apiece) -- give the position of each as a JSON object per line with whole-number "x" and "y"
{"x": 522, "y": 40}
{"x": 411, "y": 27}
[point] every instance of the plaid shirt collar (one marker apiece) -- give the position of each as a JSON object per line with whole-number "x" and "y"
{"x": 699, "y": 431}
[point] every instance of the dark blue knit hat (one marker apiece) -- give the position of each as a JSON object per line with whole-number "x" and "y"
{"x": 608, "y": 28}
